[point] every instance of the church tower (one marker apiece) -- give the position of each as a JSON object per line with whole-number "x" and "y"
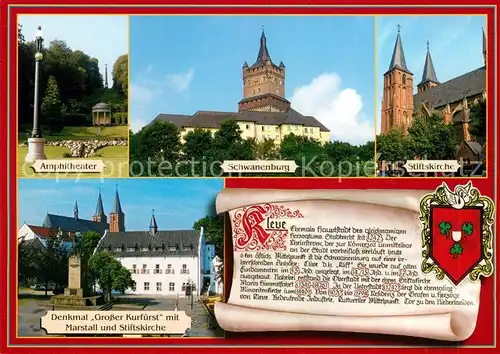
{"x": 153, "y": 227}
{"x": 264, "y": 83}
{"x": 117, "y": 217}
{"x": 429, "y": 78}
{"x": 397, "y": 102}
{"x": 99, "y": 215}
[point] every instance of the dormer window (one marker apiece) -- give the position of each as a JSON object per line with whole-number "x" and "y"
{"x": 119, "y": 249}
{"x": 144, "y": 249}
{"x": 130, "y": 249}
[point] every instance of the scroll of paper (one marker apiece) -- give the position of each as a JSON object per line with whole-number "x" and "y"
{"x": 337, "y": 260}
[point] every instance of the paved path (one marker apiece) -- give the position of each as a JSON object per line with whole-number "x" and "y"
{"x": 34, "y": 305}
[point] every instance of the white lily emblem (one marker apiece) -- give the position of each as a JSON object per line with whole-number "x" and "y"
{"x": 459, "y": 197}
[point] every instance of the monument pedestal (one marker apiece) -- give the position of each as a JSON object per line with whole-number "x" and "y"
{"x": 76, "y": 294}
{"x": 36, "y": 147}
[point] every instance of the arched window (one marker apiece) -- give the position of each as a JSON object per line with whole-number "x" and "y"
{"x": 404, "y": 79}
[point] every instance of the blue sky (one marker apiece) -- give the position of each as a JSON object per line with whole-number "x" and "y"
{"x": 178, "y": 203}
{"x": 455, "y": 44}
{"x": 181, "y": 64}
{"x": 100, "y": 36}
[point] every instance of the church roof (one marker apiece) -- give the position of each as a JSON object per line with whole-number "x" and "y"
{"x": 70, "y": 224}
{"x": 398, "y": 60}
{"x": 117, "y": 207}
{"x": 429, "y": 73}
{"x": 470, "y": 84}
{"x": 43, "y": 231}
{"x": 213, "y": 119}
{"x": 99, "y": 209}
{"x": 172, "y": 243}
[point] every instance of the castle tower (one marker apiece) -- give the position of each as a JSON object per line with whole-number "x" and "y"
{"x": 153, "y": 227}
{"x": 397, "y": 102}
{"x": 75, "y": 210}
{"x": 429, "y": 78}
{"x": 99, "y": 215}
{"x": 264, "y": 83}
{"x": 116, "y": 217}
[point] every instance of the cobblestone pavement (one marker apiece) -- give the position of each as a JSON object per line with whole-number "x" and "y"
{"x": 34, "y": 305}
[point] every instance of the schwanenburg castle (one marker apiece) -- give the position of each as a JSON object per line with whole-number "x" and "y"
{"x": 452, "y": 99}
{"x": 263, "y": 113}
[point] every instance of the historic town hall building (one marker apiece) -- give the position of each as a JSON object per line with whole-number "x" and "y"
{"x": 263, "y": 113}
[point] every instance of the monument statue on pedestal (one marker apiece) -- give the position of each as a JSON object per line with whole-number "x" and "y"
{"x": 77, "y": 291}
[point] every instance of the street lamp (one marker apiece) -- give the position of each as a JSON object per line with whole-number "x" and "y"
{"x": 36, "y": 144}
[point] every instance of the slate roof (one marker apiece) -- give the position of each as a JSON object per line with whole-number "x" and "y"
{"x": 429, "y": 73}
{"x": 99, "y": 210}
{"x": 70, "y": 224}
{"x": 470, "y": 84}
{"x": 117, "y": 206}
{"x": 172, "y": 243}
{"x": 398, "y": 60}
{"x": 213, "y": 119}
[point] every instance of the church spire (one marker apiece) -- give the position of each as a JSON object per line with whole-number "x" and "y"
{"x": 263, "y": 55}
{"x": 99, "y": 209}
{"x": 75, "y": 210}
{"x": 398, "y": 60}
{"x": 99, "y": 215}
{"x": 117, "y": 207}
{"x": 429, "y": 73}
{"x": 153, "y": 227}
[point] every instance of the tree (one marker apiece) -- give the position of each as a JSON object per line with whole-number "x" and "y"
{"x": 265, "y": 150}
{"x": 120, "y": 74}
{"x": 110, "y": 273}
{"x": 197, "y": 143}
{"x": 431, "y": 138}
{"x": 44, "y": 262}
{"x": 159, "y": 148}
{"x": 213, "y": 228}
{"x": 392, "y": 146}
{"x": 477, "y": 125}
{"x": 51, "y": 104}
{"x": 90, "y": 239}
{"x": 308, "y": 154}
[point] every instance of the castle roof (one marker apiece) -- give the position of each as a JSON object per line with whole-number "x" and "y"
{"x": 213, "y": 119}
{"x": 172, "y": 243}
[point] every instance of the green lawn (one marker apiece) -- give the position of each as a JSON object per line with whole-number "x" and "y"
{"x": 115, "y": 160}
{"x": 83, "y": 133}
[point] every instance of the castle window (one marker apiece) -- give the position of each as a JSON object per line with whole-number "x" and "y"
{"x": 158, "y": 286}
{"x": 171, "y": 286}
{"x": 276, "y": 128}
{"x": 262, "y": 128}
{"x": 134, "y": 268}
{"x": 144, "y": 269}
{"x": 157, "y": 269}
{"x": 258, "y": 90}
{"x": 305, "y": 130}
{"x": 248, "y": 126}
{"x": 184, "y": 269}
{"x": 133, "y": 287}
{"x": 146, "y": 286}
{"x": 404, "y": 79}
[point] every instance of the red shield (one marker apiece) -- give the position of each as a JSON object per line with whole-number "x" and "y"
{"x": 456, "y": 246}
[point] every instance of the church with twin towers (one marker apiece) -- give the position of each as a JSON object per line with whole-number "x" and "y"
{"x": 451, "y": 99}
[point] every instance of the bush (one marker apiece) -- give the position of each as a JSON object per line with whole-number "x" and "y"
{"x": 120, "y": 118}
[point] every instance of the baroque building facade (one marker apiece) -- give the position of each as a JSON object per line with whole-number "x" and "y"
{"x": 263, "y": 113}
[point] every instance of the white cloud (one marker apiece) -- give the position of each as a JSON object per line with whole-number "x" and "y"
{"x": 340, "y": 110}
{"x": 141, "y": 94}
{"x": 180, "y": 81}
